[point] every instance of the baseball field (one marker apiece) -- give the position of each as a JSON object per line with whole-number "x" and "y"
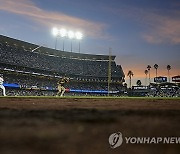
{"x": 82, "y": 125}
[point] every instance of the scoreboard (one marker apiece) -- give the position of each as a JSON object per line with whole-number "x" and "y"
{"x": 160, "y": 79}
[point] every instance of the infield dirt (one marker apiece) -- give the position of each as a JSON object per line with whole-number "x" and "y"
{"x": 83, "y": 125}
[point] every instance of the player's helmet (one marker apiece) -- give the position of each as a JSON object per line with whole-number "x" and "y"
{"x": 67, "y": 79}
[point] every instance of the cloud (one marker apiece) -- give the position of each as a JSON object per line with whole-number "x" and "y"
{"x": 159, "y": 27}
{"x": 164, "y": 29}
{"x": 49, "y": 18}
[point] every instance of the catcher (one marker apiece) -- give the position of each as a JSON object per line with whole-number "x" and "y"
{"x": 61, "y": 88}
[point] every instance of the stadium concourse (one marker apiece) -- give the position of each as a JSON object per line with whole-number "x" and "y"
{"x": 28, "y": 72}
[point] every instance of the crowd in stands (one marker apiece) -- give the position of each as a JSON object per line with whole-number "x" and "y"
{"x": 46, "y": 86}
{"x": 23, "y": 92}
{"x": 30, "y": 92}
{"x": 164, "y": 92}
{"x": 27, "y": 81}
{"x": 11, "y": 54}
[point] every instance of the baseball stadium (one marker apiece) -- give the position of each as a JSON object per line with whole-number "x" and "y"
{"x": 34, "y": 120}
{"x": 89, "y": 77}
{"x": 35, "y": 73}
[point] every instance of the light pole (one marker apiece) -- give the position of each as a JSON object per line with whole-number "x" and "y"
{"x": 63, "y": 34}
{"x": 79, "y": 46}
{"x": 56, "y": 43}
{"x": 71, "y": 45}
{"x": 79, "y": 37}
{"x": 66, "y": 34}
{"x": 63, "y": 44}
{"x": 71, "y": 36}
{"x": 55, "y": 33}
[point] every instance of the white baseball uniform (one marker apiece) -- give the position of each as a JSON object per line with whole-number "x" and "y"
{"x": 2, "y": 87}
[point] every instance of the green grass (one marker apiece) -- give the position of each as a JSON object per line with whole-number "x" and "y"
{"x": 88, "y": 97}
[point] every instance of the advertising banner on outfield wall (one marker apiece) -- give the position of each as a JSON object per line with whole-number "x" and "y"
{"x": 11, "y": 85}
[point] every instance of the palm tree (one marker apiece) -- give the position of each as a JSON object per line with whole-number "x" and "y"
{"x": 168, "y": 68}
{"x": 146, "y": 72}
{"x": 156, "y": 67}
{"x": 130, "y": 74}
{"x": 149, "y": 68}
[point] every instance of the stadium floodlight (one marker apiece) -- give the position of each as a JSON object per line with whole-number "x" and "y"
{"x": 71, "y": 34}
{"x": 79, "y": 36}
{"x": 66, "y": 34}
{"x": 55, "y": 31}
{"x": 63, "y": 32}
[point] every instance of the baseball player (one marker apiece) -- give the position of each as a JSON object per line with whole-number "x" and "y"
{"x": 61, "y": 88}
{"x": 1, "y": 85}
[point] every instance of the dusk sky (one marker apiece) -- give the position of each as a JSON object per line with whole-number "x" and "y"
{"x": 140, "y": 32}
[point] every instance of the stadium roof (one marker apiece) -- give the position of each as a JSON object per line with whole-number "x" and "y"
{"x": 49, "y": 51}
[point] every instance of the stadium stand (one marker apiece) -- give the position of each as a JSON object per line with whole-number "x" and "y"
{"x": 37, "y": 72}
{"x": 164, "y": 90}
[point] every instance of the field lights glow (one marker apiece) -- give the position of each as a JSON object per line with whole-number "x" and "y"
{"x": 55, "y": 31}
{"x": 78, "y": 35}
{"x": 64, "y": 33}
{"x": 67, "y": 34}
{"x": 71, "y": 34}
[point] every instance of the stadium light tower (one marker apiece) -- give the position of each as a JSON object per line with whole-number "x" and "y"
{"x": 63, "y": 34}
{"x": 79, "y": 37}
{"x": 71, "y": 36}
{"x": 55, "y": 32}
{"x": 66, "y": 34}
